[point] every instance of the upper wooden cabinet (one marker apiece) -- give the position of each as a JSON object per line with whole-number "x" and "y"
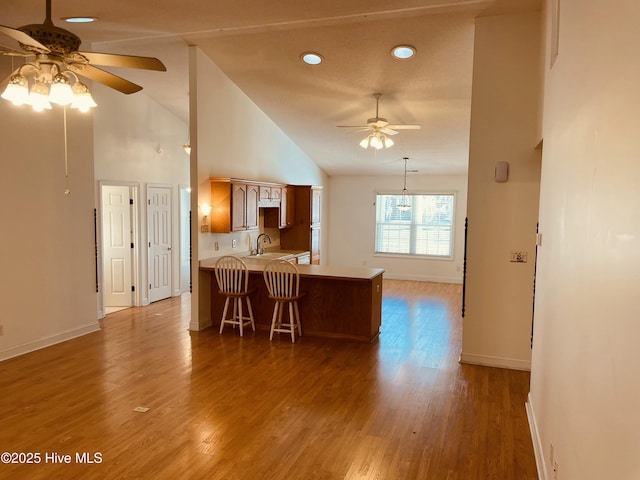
{"x": 244, "y": 207}
{"x": 270, "y": 196}
{"x": 316, "y": 203}
{"x": 288, "y": 207}
{"x": 284, "y": 216}
{"x": 305, "y": 234}
{"x": 234, "y": 205}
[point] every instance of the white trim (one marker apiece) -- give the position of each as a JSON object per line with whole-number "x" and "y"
{"x": 49, "y": 341}
{"x": 491, "y": 361}
{"x": 423, "y": 278}
{"x": 413, "y": 256}
{"x": 197, "y": 326}
{"x": 538, "y": 451}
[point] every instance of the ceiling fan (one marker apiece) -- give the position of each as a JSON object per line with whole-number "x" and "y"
{"x": 380, "y": 128}
{"x": 57, "y": 58}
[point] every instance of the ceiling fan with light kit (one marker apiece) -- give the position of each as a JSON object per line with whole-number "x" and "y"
{"x": 53, "y": 64}
{"x": 381, "y": 129}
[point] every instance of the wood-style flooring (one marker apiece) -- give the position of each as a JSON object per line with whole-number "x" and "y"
{"x": 224, "y": 407}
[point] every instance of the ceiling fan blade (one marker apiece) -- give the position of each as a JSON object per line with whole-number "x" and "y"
{"x": 6, "y": 50}
{"x": 405, "y": 127}
{"x": 126, "y": 61}
{"x": 353, "y": 126}
{"x": 106, "y": 78}
{"x": 23, "y": 38}
{"x": 387, "y": 131}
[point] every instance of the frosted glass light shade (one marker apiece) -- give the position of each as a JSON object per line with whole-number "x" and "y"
{"x": 17, "y": 91}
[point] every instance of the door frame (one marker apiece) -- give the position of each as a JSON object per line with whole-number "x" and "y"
{"x": 136, "y": 267}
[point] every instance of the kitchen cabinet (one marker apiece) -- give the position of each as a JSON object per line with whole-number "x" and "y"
{"x": 303, "y": 259}
{"x": 340, "y": 302}
{"x": 283, "y": 216}
{"x": 287, "y": 207}
{"x": 244, "y": 207}
{"x": 234, "y": 205}
{"x": 316, "y": 203}
{"x": 306, "y": 231}
{"x": 270, "y": 195}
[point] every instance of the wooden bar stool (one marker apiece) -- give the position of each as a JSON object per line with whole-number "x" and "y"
{"x": 232, "y": 276}
{"x": 283, "y": 284}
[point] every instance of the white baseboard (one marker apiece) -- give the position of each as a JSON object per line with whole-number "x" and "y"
{"x": 423, "y": 278}
{"x": 197, "y": 326}
{"x": 537, "y": 442}
{"x": 47, "y": 342}
{"x": 500, "y": 362}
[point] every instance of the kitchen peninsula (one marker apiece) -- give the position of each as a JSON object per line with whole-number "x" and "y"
{"x": 339, "y": 302}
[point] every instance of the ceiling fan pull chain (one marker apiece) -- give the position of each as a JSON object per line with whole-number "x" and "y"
{"x": 67, "y": 190}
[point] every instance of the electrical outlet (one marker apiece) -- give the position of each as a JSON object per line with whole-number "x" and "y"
{"x": 518, "y": 257}
{"x": 234, "y": 243}
{"x": 216, "y": 246}
{"x": 204, "y": 228}
{"x": 556, "y": 473}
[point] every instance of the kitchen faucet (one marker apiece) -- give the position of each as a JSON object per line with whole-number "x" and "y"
{"x": 258, "y": 249}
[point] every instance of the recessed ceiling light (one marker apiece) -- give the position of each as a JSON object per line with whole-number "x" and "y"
{"x": 403, "y": 52}
{"x": 311, "y": 58}
{"x": 79, "y": 19}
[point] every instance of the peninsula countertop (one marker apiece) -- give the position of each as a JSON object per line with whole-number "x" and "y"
{"x": 339, "y": 301}
{"x": 257, "y": 264}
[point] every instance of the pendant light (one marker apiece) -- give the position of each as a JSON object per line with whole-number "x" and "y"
{"x": 404, "y": 201}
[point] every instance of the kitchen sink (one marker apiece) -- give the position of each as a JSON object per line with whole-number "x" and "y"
{"x": 270, "y": 255}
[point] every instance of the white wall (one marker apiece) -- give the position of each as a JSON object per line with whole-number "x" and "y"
{"x": 585, "y": 390}
{"x": 139, "y": 142}
{"x": 502, "y": 216}
{"x": 353, "y": 220}
{"x": 47, "y": 242}
{"x": 232, "y": 137}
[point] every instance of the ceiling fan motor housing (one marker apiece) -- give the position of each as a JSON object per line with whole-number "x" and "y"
{"x": 378, "y": 122}
{"x": 58, "y": 40}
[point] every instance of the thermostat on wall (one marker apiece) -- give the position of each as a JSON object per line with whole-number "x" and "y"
{"x": 502, "y": 172}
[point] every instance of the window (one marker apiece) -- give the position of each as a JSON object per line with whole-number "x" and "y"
{"x": 424, "y": 229}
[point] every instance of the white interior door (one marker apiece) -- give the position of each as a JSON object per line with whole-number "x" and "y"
{"x": 116, "y": 241}
{"x": 159, "y": 218}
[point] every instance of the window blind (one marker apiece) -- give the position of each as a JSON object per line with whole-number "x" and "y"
{"x": 424, "y": 229}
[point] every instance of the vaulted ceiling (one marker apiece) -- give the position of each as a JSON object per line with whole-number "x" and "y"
{"x": 258, "y": 45}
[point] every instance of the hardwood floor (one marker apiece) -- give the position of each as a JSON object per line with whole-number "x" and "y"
{"x": 224, "y": 407}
